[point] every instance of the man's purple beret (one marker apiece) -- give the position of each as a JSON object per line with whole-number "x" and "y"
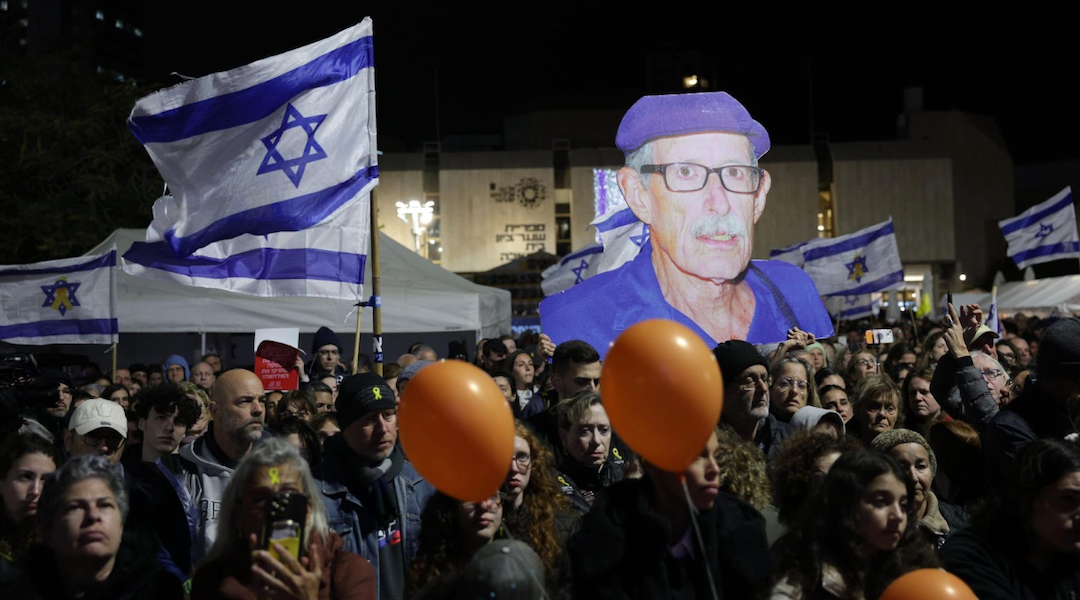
{"x": 654, "y": 117}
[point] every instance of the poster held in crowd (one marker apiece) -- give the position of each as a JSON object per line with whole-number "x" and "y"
{"x": 276, "y": 351}
{"x": 693, "y": 184}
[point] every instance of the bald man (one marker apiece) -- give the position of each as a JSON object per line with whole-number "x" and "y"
{"x": 237, "y": 408}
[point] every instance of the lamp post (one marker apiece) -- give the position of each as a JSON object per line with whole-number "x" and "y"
{"x": 419, "y": 214}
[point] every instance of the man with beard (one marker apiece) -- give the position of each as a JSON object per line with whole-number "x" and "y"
{"x": 696, "y": 268}
{"x": 746, "y": 396}
{"x": 237, "y": 408}
{"x": 373, "y": 496}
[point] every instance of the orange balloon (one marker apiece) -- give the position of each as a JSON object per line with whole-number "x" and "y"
{"x": 928, "y": 584}
{"x": 662, "y": 390}
{"x": 457, "y": 429}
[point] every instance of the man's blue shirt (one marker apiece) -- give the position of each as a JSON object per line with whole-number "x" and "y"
{"x": 600, "y": 308}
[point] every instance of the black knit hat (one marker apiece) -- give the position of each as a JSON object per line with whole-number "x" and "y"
{"x": 736, "y": 356}
{"x": 361, "y": 394}
{"x": 1059, "y": 350}
{"x": 325, "y": 337}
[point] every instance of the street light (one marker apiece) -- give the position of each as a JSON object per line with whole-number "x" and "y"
{"x": 421, "y": 216}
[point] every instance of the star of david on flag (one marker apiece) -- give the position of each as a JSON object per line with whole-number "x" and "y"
{"x": 1044, "y": 232}
{"x": 850, "y": 308}
{"x": 855, "y": 264}
{"x": 66, "y": 301}
{"x": 571, "y": 270}
{"x": 270, "y": 167}
{"x": 293, "y": 167}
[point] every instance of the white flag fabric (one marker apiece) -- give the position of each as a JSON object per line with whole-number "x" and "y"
{"x": 858, "y": 263}
{"x": 791, "y": 254}
{"x": 572, "y": 270}
{"x": 66, "y": 301}
{"x": 993, "y": 319}
{"x": 850, "y": 308}
{"x": 270, "y": 166}
{"x": 1044, "y": 232}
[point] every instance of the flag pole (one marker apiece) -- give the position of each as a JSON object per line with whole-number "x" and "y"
{"x": 376, "y": 289}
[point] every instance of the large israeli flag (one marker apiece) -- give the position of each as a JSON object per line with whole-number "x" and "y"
{"x": 66, "y": 301}
{"x": 858, "y": 263}
{"x": 1044, "y": 232}
{"x": 571, "y": 270}
{"x": 270, "y": 166}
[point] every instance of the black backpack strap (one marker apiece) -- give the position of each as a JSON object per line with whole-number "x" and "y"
{"x": 781, "y": 301}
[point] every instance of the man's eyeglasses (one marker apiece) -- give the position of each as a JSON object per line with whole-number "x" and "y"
{"x": 992, "y": 374}
{"x": 786, "y": 383}
{"x": 690, "y": 177}
{"x": 523, "y": 460}
{"x": 94, "y": 439}
{"x": 750, "y": 383}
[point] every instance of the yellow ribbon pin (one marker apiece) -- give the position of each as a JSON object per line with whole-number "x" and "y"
{"x": 275, "y": 476}
{"x": 377, "y": 392}
{"x": 615, "y": 451}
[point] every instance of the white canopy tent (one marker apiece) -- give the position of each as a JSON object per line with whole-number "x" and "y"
{"x": 417, "y": 296}
{"x": 1060, "y": 295}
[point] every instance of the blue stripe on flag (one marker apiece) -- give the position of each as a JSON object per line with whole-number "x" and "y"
{"x": 873, "y": 286}
{"x": 256, "y": 102}
{"x": 294, "y": 214}
{"x": 1061, "y": 248}
{"x": 59, "y": 327}
{"x": 105, "y": 260}
{"x": 850, "y": 244}
{"x": 623, "y": 217}
{"x": 787, "y": 249}
{"x": 263, "y": 263}
{"x": 857, "y": 311}
{"x": 1039, "y": 216}
{"x": 585, "y": 252}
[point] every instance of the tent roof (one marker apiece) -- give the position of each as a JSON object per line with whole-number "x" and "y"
{"x": 417, "y": 296}
{"x": 1041, "y": 296}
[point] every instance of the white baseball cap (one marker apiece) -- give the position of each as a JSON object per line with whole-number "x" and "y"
{"x": 98, "y": 413}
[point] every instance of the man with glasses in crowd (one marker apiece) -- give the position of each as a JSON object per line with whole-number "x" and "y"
{"x": 327, "y": 350}
{"x": 746, "y": 396}
{"x": 696, "y": 268}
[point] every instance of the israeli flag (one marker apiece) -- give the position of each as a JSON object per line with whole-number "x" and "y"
{"x": 622, "y": 234}
{"x": 791, "y": 254}
{"x": 1044, "y": 232}
{"x": 270, "y": 166}
{"x": 66, "y": 301}
{"x": 572, "y": 270}
{"x": 858, "y": 263}
{"x": 851, "y": 308}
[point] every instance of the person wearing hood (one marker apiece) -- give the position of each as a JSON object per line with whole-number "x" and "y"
{"x": 326, "y": 350}
{"x": 176, "y": 369}
{"x": 818, "y": 421}
{"x": 237, "y": 408}
{"x": 373, "y": 496}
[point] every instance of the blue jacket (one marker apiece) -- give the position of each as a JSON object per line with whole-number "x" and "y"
{"x": 356, "y": 524}
{"x": 599, "y": 309}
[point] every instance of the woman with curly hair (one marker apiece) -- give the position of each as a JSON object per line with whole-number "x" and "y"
{"x": 797, "y": 470}
{"x": 536, "y": 511}
{"x": 451, "y": 532}
{"x": 856, "y": 535}
{"x": 742, "y": 470}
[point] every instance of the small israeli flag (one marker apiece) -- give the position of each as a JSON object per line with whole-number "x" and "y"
{"x": 855, "y": 264}
{"x": 572, "y": 270}
{"x": 1044, "y": 232}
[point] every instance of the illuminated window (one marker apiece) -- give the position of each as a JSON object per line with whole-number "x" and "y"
{"x": 3, "y": 4}
{"x": 138, "y": 32}
{"x": 100, "y": 16}
{"x": 119, "y": 24}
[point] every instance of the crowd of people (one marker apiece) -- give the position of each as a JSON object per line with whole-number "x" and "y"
{"x": 835, "y": 468}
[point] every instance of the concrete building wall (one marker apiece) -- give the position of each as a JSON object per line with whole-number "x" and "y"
{"x": 983, "y": 184}
{"x": 401, "y": 178}
{"x": 911, "y": 181}
{"x": 791, "y": 206}
{"x": 495, "y": 207}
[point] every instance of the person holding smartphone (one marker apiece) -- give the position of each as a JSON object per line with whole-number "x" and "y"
{"x": 275, "y": 542}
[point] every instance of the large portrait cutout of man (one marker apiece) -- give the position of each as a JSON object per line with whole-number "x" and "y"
{"x": 692, "y": 175}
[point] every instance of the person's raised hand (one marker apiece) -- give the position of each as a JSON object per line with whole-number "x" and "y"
{"x": 954, "y": 334}
{"x": 545, "y": 348}
{"x": 285, "y": 577}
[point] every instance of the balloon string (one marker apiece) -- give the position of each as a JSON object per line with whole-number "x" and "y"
{"x": 697, "y": 533}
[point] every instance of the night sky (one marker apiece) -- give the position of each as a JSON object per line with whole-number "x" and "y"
{"x": 847, "y": 77}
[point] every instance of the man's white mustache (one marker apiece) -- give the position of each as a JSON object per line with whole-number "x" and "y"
{"x": 710, "y": 225}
